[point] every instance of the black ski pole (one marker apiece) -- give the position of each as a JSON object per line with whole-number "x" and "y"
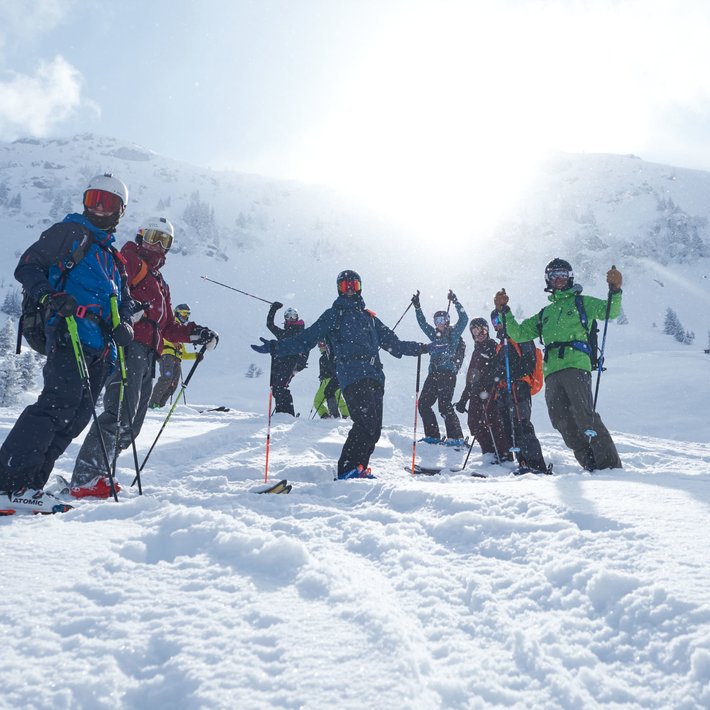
{"x": 231, "y": 288}
{"x": 86, "y": 383}
{"x": 123, "y": 395}
{"x": 198, "y": 360}
{"x": 416, "y": 410}
{"x": 513, "y": 448}
{"x": 600, "y": 362}
{"x": 403, "y": 314}
{"x": 473, "y": 441}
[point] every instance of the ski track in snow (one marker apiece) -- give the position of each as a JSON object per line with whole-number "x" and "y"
{"x": 427, "y": 592}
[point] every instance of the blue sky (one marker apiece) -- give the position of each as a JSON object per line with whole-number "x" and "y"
{"x": 410, "y": 105}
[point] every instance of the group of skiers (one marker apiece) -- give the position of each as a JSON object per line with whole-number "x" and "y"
{"x": 499, "y": 380}
{"x": 99, "y": 304}
{"x": 96, "y": 303}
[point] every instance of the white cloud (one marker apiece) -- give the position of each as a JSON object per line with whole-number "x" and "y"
{"x": 21, "y": 22}
{"x": 33, "y": 105}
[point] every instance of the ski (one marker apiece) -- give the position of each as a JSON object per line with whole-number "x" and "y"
{"x": 280, "y": 487}
{"x": 423, "y": 470}
{"x": 522, "y": 471}
{"x": 214, "y": 409}
{"x": 475, "y": 474}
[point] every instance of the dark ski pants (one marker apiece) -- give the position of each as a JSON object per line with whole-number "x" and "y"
{"x": 485, "y": 420}
{"x": 364, "y": 399}
{"x": 568, "y": 394}
{"x": 439, "y": 386}
{"x": 281, "y": 375}
{"x": 140, "y": 365}
{"x": 45, "y": 429}
{"x": 170, "y": 376}
{"x": 530, "y": 453}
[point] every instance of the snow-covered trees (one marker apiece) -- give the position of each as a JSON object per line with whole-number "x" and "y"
{"x": 673, "y": 326}
{"x": 17, "y": 374}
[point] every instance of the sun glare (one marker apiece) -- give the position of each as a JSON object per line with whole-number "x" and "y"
{"x": 451, "y": 110}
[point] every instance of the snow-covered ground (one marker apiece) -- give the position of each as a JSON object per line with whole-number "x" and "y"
{"x": 573, "y": 590}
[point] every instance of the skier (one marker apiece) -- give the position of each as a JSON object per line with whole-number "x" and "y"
{"x": 567, "y": 367}
{"x": 443, "y": 368}
{"x": 356, "y": 335}
{"x": 329, "y": 400}
{"x": 171, "y": 363}
{"x": 284, "y": 368}
{"x": 522, "y": 359}
{"x": 485, "y": 417}
{"x": 73, "y": 270}
{"x": 153, "y": 325}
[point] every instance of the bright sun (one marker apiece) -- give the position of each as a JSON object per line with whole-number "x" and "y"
{"x": 449, "y": 113}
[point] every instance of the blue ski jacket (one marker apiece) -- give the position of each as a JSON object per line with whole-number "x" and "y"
{"x": 444, "y": 359}
{"x": 45, "y": 268}
{"x": 355, "y": 336}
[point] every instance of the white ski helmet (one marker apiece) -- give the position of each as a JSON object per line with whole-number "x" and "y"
{"x": 156, "y": 230}
{"x": 108, "y": 183}
{"x": 290, "y": 314}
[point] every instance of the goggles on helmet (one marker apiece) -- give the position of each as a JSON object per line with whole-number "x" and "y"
{"x": 555, "y": 274}
{"x": 101, "y": 198}
{"x": 495, "y": 320}
{"x": 349, "y": 285}
{"x": 154, "y": 236}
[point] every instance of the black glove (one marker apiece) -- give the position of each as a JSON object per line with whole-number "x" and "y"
{"x": 122, "y": 334}
{"x": 452, "y": 297}
{"x": 424, "y": 348}
{"x": 461, "y": 406}
{"x": 61, "y": 303}
{"x": 267, "y": 346}
{"x": 204, "y": 336}
{"x": 276, "y": 305}
{"x": 415, "y": 300}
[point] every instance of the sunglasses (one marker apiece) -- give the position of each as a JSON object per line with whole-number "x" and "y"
{"x": 101, "y": 198}
{"x": 477, "y": 330}
{"x": 154, "y": 236}
{"x": 349, "y": 285}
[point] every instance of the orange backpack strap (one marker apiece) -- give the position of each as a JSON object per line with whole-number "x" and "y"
{"x": 140, "y": 275}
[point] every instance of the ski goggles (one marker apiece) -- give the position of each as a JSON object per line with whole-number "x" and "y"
{"x": 496, "y": 321}
{"x": 182, "y": 316}
{"x": 101, "y": 198}
{"x": 349, "y": 285}
{"x": 440, "y": 320}
{"x": 555, "y": 274}
{"x": 155, "y": 236}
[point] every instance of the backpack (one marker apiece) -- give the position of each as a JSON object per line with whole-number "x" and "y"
{"x": 459, "y": 355}
{"x": 33, "y": 319}
{"x": 590, "y": 347}
{"x": 532, "y": 362}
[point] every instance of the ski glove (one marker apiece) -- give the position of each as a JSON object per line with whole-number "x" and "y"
{"x": 452, "y": 297}
{"x": 614, "y": 279}
{"x": 461, "y": 406}
{"x": 267, "y": 346}
{"x": 61, "y": 303}
{"x": 204, "y": 336}
{"x": 275, "y": 305}
{"x": 415, "y": 300}
{"x": 500, "y": 300}
{"x": 122, "y": 334}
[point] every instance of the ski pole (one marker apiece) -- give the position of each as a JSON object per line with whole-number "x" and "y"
{"x": 251, "y": 295}
{"x": 473, "y": 441}
{"x": 416, "y": 411}
{"x": 600, "y": 362}
{"x": 198, "y": 360}
{"x": 123, "y": 394}
{"x": 513, "y": 448}
{"x": 402, "y": 316}
{"x": 268, "y": 436}
{"x": 86, "y": 383}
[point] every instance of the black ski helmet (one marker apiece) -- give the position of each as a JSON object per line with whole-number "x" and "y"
{"x": 559, "y": 265}
{"x": 442, "y": 314}
{"x": 478, "y": 323}
{"x": 352, "y": 277}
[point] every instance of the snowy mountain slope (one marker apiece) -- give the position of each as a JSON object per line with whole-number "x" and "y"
{"x": 452, "y": 592}
{"x": 447, "y": 592}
